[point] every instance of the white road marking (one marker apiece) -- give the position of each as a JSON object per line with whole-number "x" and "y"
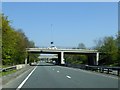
{"x": 68, "y": 77}
{"x": 58, "y": 71}
{"x": 90, "y": 72}
{"x": 53, "y": 69}
{"x": 18, "y": 88}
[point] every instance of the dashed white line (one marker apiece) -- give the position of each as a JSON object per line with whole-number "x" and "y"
{"x": 53, "y": 69}
{"x": 68, "y": 77}
{"x": 95, "y": 73}
{"x": 26, "y": 79}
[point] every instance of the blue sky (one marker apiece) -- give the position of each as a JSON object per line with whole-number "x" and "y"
{"x": 73, "y": 23}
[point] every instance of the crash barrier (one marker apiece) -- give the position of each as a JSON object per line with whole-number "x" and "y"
{"x": 8, "y": 68}
{"x": 16, "y": 67}
{"x": 103, "y": 68}
{"x": 100, "y": 69}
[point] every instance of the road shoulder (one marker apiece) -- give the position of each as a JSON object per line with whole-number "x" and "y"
{"x": 13, "y": 80}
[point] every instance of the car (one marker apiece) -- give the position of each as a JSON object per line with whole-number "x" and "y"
{"x": 54, "y": 62}
{"x": 33, "y": 63}
{"x": 52, "y": 47}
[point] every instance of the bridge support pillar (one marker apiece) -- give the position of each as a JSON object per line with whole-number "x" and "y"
{"x": 97, "y": 58}
{"x": 62, "y": 58}
{"x": 26, "y": 61}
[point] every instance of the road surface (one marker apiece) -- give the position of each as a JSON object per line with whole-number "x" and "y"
{"x": 46, "y": 75}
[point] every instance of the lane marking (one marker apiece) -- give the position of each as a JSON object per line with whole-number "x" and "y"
{"x": 18, "y": 88}
{"x": 58, "y": 71}
{"x": 68, "y": 77}
{"x": 94, "y": 73}
{"x": 53, "y": 69}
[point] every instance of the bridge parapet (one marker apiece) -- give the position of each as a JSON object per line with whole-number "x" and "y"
{"x": 65, "y": 50}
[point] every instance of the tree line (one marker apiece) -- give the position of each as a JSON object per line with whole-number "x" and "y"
{"x": 14, "y": 44}
{"x": 109, "y": 47}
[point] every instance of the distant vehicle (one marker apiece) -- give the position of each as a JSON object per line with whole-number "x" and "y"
{"x": 49, "y": 61}
{"x": 33, "y": 63}
{"x": 52, "y": 47}
{"x": 54, "y": 62}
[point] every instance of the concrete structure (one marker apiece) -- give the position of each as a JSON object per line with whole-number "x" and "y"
{"x": 91, "y": 53}
{"x": 47, "y": 56}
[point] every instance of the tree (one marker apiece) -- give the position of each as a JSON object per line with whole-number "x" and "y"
{"x": 33, "y": 57}
{"x": 118, "y": 43}
{"x": 0, "y": 39}
{"x": 14, "y": 44}
{"x": 77, "y": 59}
{"x": 8, "y": 41}
{"x": 81, "y": 46}
{"x": 98, "y": 43}
{"x": 108, "y": 45}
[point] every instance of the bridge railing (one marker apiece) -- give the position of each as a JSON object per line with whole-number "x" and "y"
{"x": 101, "y": 69}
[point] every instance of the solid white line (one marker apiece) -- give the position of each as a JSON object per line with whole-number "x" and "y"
{"x": 68, "y": 77}
{"x": 26, "y": 79}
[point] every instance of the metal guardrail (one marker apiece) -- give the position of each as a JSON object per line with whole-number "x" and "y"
{"x": 104, "y": 68}
{"x": 8, "y": 69}
{"x": 101, "y": 69}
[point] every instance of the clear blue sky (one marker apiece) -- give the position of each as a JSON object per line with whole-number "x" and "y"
{"x": 73, "y": 23}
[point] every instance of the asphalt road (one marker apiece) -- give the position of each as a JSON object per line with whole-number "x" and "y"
{"x": 13, "y": 80}
{"x": 46, "y": 75}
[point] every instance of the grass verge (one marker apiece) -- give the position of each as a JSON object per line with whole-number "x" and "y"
{"x": 7, "y": 72}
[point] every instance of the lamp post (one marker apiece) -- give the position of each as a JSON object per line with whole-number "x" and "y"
{"x": 51, "y": 36}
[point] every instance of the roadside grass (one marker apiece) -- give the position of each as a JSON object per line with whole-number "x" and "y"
{"x": 7, "y": 72}
{"x": 4, "y": 66}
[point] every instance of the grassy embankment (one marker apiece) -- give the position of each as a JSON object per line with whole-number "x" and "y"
{"x": 7, "y": 72}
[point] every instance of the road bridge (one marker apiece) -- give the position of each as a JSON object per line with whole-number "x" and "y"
{"x": 93, "y": 55}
